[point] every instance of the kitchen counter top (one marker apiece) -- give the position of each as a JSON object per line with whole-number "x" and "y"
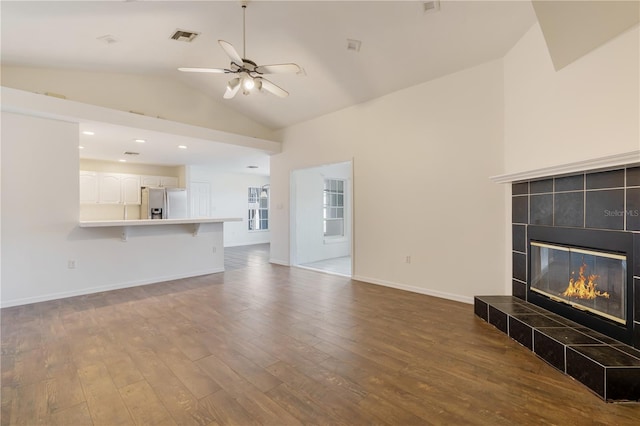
{"x": 155, "y": 222}
{"x": 128, "y": 224}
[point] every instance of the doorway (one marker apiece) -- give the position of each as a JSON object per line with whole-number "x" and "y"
{"x": 322, "y": 218}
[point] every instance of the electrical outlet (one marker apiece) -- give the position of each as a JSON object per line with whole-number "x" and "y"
{"x": 214, "y": 249}
{"x": 407, "y": 259}
{"x": 71, "y": 264}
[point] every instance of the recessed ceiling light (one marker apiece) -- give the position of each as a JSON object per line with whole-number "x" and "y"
{"x": 252, "y": 167}
{"x": 88, "y": 133}
{"x": 122, "y": 160}
{"x": 182, "y": 146}
{"x": 80, "y": 147}
{"x": 140, "y": 140}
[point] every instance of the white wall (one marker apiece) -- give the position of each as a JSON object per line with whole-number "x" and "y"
{"x": 421, "y": 158}
{"x": 589, "y": 109}
{"x": 308, "y": 190}
{"x": 229, "y": 198}
{"x": 40, "y": 232}
{"x": 152, "y": 96}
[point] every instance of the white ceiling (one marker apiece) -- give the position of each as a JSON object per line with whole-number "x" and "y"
{"x": 401, "y": 45}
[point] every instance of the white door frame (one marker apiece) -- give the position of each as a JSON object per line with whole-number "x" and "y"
{"x": 293, "y": 218}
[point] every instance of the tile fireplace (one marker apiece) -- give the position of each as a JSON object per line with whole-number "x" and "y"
{"x": 576, "y": 277}
{"x": 576, "y": 248}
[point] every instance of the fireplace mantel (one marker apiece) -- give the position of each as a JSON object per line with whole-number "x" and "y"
{"x": 578, "y": 166}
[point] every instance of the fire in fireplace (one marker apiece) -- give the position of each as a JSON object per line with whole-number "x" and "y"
{"x": 583, "y": 275}
{"x": 585, "y": 279}
{"x": 584, "y": 287}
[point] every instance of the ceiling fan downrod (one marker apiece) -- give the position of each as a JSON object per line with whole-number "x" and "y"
{"x": 244, "y": 32}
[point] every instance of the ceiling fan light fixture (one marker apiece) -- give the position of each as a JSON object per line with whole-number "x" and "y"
{"x": 248, "y": 83}
{"x": 249, "y": 73}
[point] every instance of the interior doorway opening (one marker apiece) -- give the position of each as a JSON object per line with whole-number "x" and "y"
{"x": 322, "y": 218}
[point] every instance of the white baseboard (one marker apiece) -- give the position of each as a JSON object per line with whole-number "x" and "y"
{"x": 324, "y": 271}
{"x": 279, "y": 262}
{"x": 100, "y": 289}
{"x": 420, "y": 290}
{"x": 91, "y": 290}
{"x": 246, "y": 244}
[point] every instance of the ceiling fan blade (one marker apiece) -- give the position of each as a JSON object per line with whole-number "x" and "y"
{"x": 231, "y": 52}
{"x": 211, "y": 70}
{"x": 232, "y": 88}
{"x": 270, "y": 87}
{"x": 278, "y": 69}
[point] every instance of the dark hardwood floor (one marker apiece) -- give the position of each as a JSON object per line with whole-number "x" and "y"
{"x": 266, "y": 344}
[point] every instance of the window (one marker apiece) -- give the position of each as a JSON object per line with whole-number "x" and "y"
{"x": 333, "y": 208}
{"x": 258, "y": 209}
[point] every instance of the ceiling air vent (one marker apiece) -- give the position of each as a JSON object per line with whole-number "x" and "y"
{"x": 353, "y": 45}
{"x": 131, "y": 153}
{"x": 431, "y": 6}
{"x": 186, "y": 36}
{"x": 107, "y": 39}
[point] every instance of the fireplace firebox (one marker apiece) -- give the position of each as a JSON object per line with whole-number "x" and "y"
{"x": 584, "y": 275}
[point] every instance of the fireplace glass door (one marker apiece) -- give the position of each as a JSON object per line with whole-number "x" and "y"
{"x": 585, "y": 279}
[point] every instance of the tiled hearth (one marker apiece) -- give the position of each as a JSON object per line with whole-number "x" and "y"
{"x": 606, "y": 366}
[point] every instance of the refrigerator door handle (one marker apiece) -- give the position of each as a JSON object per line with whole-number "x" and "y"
{"x": 165, "y": 203}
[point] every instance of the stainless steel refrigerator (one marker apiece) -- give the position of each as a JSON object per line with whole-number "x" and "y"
{"x": 163, "y": 203}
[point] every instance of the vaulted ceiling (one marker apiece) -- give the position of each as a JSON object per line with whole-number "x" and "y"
{"x": 401, "y": 45}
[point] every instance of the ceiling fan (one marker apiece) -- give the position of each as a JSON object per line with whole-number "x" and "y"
{"x": 249, "y": 74}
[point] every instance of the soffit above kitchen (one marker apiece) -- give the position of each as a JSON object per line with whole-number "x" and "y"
{"x": 111, "y": 135}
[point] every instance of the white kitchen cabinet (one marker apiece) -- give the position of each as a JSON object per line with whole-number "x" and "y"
{"x": 159, "y": 181}
{"x": 88, "y": 187}
{"x": 109, "y": 188}
{"x": 150, "y": 181}
{"x": 168, "y": 182}
{"x": 130, "y": 189}
{"x": 118, "y": 188}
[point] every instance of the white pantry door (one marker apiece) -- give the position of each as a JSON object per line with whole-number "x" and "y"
{"x": 200, "y": 199}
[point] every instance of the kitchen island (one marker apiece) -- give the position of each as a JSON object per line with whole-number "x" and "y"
{"x": 93, "y": 257}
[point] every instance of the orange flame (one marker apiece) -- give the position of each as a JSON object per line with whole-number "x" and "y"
{"x": 584, "y": 287}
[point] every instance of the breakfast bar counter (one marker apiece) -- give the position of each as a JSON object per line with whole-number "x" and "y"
{"x": 127, "y": 224}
